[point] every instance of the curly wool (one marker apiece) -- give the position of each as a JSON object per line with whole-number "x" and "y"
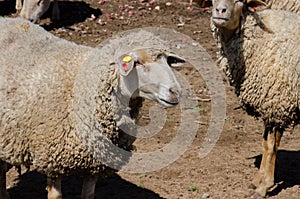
{"x": 289, "y": 5}
{"x": 262, "y": 62}
{"x": 46, "y": 100}
{"x": 35, "y": 124}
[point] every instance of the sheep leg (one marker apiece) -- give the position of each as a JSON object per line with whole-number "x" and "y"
{"x": 88, "y": 188}
{"x": 18, "y": 5}
{"x": 55, "y": 11}
{"x": 54, "y": 188}
{"x": 259, "y": 176}
{"x": 264, "y": 179}
{"x": 3, "y": 191}
{"x": 23, "y": 9}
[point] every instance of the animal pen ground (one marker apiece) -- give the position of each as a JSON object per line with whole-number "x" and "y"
{"x": 226, "y": 172}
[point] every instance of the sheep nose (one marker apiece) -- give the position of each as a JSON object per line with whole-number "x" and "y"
{"x": 221, "y": 10}
{"x": 175, "y": 92}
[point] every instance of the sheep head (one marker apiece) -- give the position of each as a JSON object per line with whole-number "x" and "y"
{"x": 147, "y": 73}
{"x": 34, "y": 9}
{"x": 226, "y": 14}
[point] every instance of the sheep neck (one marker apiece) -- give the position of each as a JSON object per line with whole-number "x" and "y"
{"x": 226, "y": 34}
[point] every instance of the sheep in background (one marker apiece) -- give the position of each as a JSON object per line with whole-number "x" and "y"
{"x": 34, "y": 9}
{"x": 260, "y": 55}
{"x": 50, "y": 95}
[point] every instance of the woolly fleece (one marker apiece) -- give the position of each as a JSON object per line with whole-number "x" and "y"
{"x": 263, "y": 63}
{"x": 289, "y": 5}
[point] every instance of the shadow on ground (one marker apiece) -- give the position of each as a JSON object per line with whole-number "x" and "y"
{"x": 70, "y": 13}
{"x": 7, "y": 7}
{"x": 287, "y": 172}
{"x": 32, "y": 185}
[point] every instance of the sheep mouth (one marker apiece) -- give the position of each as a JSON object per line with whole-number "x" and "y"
{"x": 221, "y": 18}
{"x": 220, "y": 21}
{"x": 168, "y": 103}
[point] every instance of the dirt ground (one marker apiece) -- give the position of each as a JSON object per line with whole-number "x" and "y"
{"x": 226, "y": 172}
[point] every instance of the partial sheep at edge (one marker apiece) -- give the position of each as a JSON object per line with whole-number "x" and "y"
{"x": 259, "y": 52}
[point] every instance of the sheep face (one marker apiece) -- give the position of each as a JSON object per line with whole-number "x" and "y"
{"x": 33, "y": 9}
{"x": 226, "y": 14}
{"x": 147, "y": 73}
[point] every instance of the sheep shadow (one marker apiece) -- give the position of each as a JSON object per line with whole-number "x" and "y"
{"x": 287, "y": 171}
{"x": 70, "y": 13}
{"x": 7, "y": 7}
{"x": 32, "y": 185}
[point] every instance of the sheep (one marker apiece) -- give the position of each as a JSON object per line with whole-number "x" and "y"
{"x": 59, "y": 100}
{"x": 34, "y": 9}
{"x": 259, "y": 53}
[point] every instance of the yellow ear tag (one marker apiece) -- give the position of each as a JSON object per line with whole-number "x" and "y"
{"x": 127, "y": 59}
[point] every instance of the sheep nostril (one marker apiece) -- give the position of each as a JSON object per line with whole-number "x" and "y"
{"x": 175, "y": 92}
{"x": 221, "y": 10}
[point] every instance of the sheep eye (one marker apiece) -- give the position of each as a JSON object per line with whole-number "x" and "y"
{"x": 138, "y": 63}
{"x": 160, "y": 55}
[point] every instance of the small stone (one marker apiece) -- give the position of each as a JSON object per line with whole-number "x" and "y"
{"x": 205, "y": 195}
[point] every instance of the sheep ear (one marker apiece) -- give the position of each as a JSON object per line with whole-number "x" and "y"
{"x": 125, "y": 64}
{"x": 256, "y": 5}
{"x": 174, "y": 60}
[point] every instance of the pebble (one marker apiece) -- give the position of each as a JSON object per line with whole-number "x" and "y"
{"x": 205, "y": 195}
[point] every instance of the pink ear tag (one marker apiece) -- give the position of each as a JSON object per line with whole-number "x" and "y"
{"x": 125, "y": 67}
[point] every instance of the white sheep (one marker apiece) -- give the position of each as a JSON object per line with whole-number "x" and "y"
{"x": 34, "y": 9}
{"x": 59, "y": 100}
{"x": 260, "y": 55}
